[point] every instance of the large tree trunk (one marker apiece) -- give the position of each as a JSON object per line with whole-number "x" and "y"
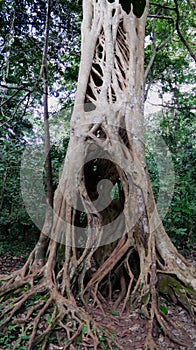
{"x": 105, "y": 220}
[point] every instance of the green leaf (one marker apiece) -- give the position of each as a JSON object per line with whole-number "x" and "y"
{"x": 48, "y": 318}
{"x": 12, "y": 327}
{"x": 181, "y": 231}
{"x": 163, "y": 309}
{"x": 114, "y": 313}
{"x": 25, "y": 337}
{"x": 84, "y": 330}
{"x": 101, "y": 338}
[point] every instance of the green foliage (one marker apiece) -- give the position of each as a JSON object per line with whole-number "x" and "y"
{"x": 11, "y": 334}
{"x": 163, "y": 309}
{"x": 180, "y": 221}
{"x": 153, "y": 172}
{"x": 22, "y": 34}
{"x": 171, "y": 287}
{"x": 173, "y": 69}
{"x": 84, "y": 330}
{"x": 12, "y": 245}
{"x": 14, "y": 220}
{"x": 114, "y": 313}
{"x": 177, "y": 130}
{"x": 58, "y": 152}
{"x": 172, "y": 60}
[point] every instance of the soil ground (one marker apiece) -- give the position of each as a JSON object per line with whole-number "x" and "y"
{"x": 130, "y": 327}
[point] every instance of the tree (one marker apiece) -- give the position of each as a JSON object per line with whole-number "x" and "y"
{"x": 180, "y": 221}
{"x": 14, "y": 130}
{"x": 22, "y": 37}
{"x": 104, "y": 212}
{"x": 175, "y": 125}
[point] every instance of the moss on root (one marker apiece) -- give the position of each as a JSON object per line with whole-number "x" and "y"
{"x": 170, "y": 287}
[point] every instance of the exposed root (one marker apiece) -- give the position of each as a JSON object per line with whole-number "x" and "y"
{"x": 35, "y": 309}
{"x": 35, "y": 313}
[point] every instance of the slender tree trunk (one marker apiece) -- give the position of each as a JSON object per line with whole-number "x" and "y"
{"x": 49, "y": 185}
{"x": 44, "y": 236}
{"x": 3, "y": 188}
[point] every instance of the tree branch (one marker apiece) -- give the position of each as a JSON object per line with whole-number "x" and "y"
{"x": 171, "y": 106}
{"x": 164, "y": 43}
{"x": 161, "y": 17}
{"x": 156, "y": 49}
{"x": 185, "y": 42}
{"x": 21, "y": 101}
{"x": 22, "y": 87}
{"x": 162, "y": 6}
{"x": 193, "y": 4}
{"x": 150, "y": 64}
{"x": 10, "y": 98}
{"x": 3, "y": 187}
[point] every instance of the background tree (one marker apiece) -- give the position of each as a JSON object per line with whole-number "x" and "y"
{"x": 179, "y": 221}
{"x": 22, "y": 33}
{"x": 107, "y": 133}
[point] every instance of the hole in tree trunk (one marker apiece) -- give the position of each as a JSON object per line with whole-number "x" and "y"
{"x": 97, "y": 75}
{"x": 103, "y": 185}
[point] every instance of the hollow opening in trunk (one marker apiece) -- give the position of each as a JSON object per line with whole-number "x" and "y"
{"x": 103, "y": 185}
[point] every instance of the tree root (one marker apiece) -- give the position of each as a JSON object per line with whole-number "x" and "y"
{"x": 33, "y": 314}
{"x": 36, "y": 311}
{"x": 33, "y": 311}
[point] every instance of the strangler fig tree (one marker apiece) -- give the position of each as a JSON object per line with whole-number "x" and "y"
{"x": 106, "y": 233}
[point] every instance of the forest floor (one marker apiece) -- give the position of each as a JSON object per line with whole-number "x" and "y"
{"x": 130, "y": 327}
